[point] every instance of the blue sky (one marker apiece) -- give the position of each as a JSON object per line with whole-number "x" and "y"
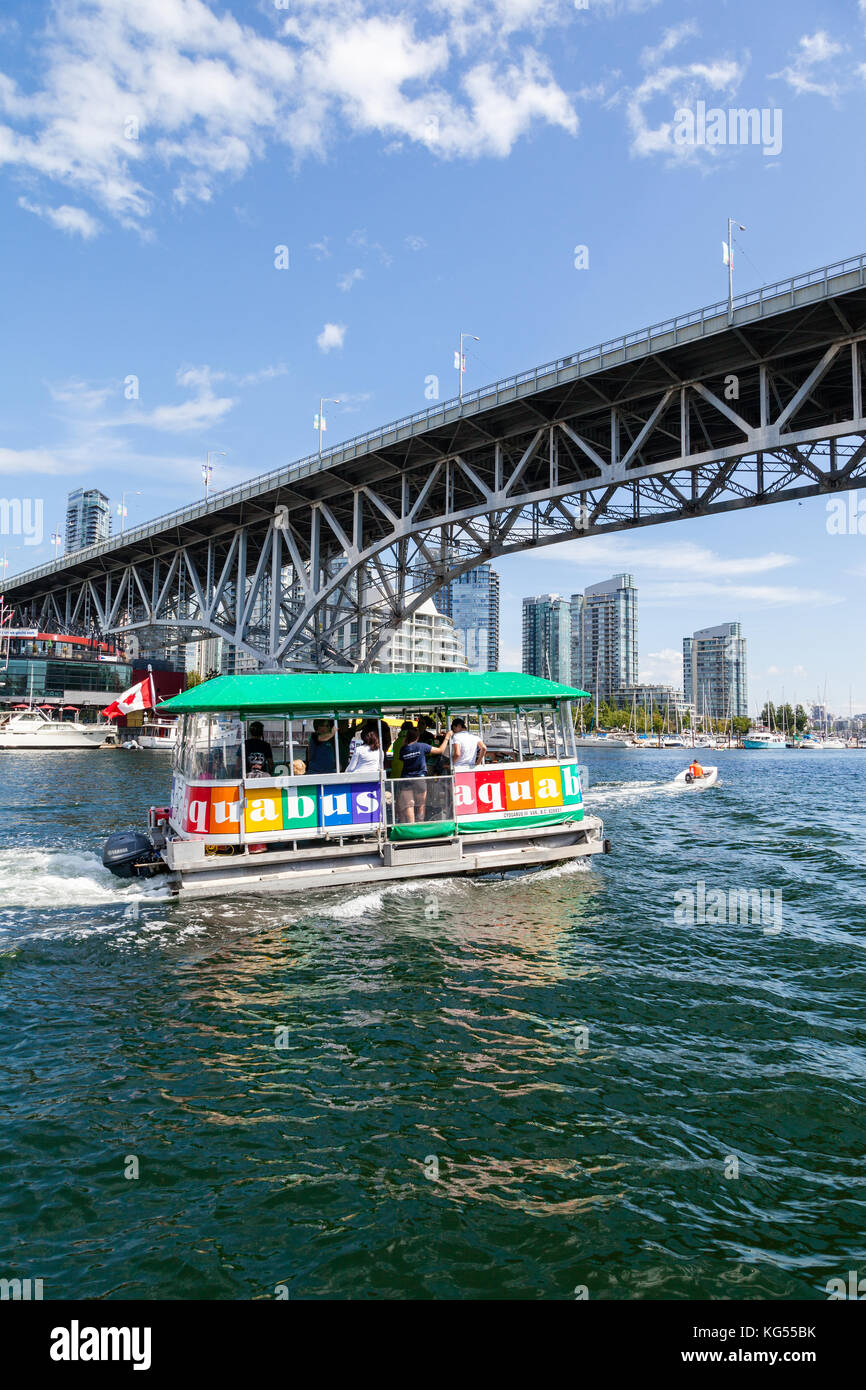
{"x": 431, "y": 169}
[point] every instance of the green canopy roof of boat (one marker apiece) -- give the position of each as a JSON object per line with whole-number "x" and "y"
{"x": 285, "y": 692}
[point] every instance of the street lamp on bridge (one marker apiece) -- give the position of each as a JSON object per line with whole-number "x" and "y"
{"x": 728, "y": 258}
{"x": 121, "y": 511}
{"x": 207, "y": 469}
{"x": 460, "y": 362}
{"x": 320, "y": 423}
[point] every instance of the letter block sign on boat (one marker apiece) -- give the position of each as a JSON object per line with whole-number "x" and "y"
{"x": 353, "y": 804}
{"x": 510, "y": 795}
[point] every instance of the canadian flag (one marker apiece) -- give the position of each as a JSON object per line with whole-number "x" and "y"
{"x": 141, "y": 696}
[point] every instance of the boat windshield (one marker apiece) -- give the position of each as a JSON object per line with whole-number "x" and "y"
{"x": 209, "y": 747}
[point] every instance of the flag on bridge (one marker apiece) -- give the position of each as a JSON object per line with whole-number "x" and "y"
{"x": 319, "y": 422}
{"x": 141, "y": 696}
{"x": 727, "y": 257}
{"x": 460, "y": 361}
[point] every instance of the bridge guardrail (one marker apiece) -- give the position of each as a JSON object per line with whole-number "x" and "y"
{"x": 357, "y": 444}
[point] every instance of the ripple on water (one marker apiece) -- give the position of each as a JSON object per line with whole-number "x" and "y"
{"x": 455, "y": 1088}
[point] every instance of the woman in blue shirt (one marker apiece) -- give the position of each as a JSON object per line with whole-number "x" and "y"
{"x": 412, "y": 793}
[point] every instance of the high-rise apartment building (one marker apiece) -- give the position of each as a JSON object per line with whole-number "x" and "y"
{"x": 715, "y": 673}
{"x": 425, "y": 641}
{"x": 88, "y": 518}
{"x": 547, "y": 637}
{"x": 472, "y": 603}
{"x": 604, "y": 637}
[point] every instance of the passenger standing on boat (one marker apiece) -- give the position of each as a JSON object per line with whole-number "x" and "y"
{"x": 321, "y": 753}
{"x": 425, "y": 726}
{"x": 412, "y": 795}
{"x": 467, "y": 749}
{"x": 258, "y": 754}
{"x": 367, "y": 756}
{"x": 381, "y": 728}
{"x": 405, "y": 730}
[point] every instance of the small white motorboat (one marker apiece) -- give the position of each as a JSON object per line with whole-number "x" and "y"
{"x": 709, "y": 779}
{"x": 33, "y": 729}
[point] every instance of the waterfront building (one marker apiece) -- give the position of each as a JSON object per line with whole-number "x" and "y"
{"x": 472, "y": 603}
{"x": 54, "y": 668}
{"x": 547, "y": 637}
{"x": 425, "y": 641}
{"x": 88, "y": 518}
{"x": 660, "y": 697}
{"x": 715, "y": 671}
{"x": 205, "y": 658}
{"x": 604, "y": 637}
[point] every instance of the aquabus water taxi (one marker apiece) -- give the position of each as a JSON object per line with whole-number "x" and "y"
{"x": 287, "y": 805}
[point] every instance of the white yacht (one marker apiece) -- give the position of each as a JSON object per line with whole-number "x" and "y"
{"x": 763, "y": 738}
{"x": 30, "y": 728}
{"x": 160, "y": 735}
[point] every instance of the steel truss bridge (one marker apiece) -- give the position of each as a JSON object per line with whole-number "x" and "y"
{"x": 315, "y": 565}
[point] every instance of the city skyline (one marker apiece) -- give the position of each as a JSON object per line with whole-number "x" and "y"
{"x": 217, "y": 301}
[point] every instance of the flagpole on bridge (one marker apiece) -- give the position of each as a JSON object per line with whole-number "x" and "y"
{"x": 460, "y": 363}
{"x": 320, "y": 418}
{"x": 728, "y": 258}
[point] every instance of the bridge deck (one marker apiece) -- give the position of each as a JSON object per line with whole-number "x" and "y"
{"x": 790, "y": 316}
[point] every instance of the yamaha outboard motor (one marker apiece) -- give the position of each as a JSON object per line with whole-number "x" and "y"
{"x": 130, "y": 854}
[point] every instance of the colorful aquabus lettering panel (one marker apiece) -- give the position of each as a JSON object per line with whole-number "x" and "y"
{"x": 510, "y": 793}
{"x": 305, "y": 810}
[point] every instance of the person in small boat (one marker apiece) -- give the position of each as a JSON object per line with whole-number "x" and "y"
{"x": 321, "y": 753}
{"x": 467, "y": 750}
{"x": 367, "y": 756}
{"x": 258, "y": 754}
{"x": 695, "y": 769}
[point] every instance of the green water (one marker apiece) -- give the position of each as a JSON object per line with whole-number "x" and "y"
{"x": 510, "y": 1089}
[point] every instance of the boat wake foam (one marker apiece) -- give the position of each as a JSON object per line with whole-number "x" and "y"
{"x": 46, "y": 878}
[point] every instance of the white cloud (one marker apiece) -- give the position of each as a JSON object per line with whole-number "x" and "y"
{"x": 681, "y": 87}
{"x": 415, "y": 243}
{"x": 764, "y": 595}
{"x": 203, "y": 409}
{"x": 75, "y": 221}
{"x": 346, "y": 281}
{"x": 26, "y": 461}
{"x": 675, "y": 557}
{"x": 670, "y": 40}
{"x": 81, "y": 396}
{"x": 129, "y": 90}
{"x": 663, "y": 668}
{"x": 331, "y": 336}
{"x": 813, "y": 51}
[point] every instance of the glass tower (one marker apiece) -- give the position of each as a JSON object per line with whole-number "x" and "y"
{"x": 604, "y": 636}
{"x": 715, "y": 671}
{"x": 472, "y": 603}
{"x": 547, "y": 637}
{"x": 88, "y": 518}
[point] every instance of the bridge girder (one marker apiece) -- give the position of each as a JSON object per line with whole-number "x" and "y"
{"x": 324, "y": 578}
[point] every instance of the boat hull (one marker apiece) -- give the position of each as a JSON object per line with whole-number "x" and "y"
{"x": 709, "y": 779}
{"x": 52, "y": 741}
{"x": 365, "y": 865}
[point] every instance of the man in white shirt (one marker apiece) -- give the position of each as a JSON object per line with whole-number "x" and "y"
{"x": 467, "y": 750}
